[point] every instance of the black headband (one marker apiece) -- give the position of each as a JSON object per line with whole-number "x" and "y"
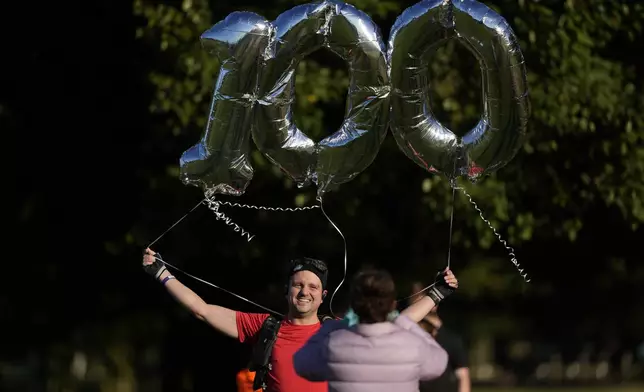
{"x": 316, "y": 266}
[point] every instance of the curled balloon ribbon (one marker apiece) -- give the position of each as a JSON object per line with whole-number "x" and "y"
{"x": 513, "y": 257}
{"x": 214, "y": 205}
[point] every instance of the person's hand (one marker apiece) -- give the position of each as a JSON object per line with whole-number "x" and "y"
{"x": 151, "y": 263}
{"x": 444, "y": 285}
{"x": 449, "y": 278}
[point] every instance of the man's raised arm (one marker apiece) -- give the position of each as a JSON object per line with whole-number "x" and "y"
{"x": 220, "y": 318}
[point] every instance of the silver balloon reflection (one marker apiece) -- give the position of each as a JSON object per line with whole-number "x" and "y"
{"x": 353, "y": 36}
{"x": 497, "y": 137}
{"x": 219, "y": 162}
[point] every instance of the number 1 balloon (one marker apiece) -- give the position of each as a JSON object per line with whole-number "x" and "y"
{"x": 219, "y": 163}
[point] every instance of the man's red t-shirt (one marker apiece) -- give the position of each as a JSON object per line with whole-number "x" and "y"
{"x": 290, "y": 338}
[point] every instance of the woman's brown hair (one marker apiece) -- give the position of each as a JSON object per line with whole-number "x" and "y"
{"x": 373, "y": 295}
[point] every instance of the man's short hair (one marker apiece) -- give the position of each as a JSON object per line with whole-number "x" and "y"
{"x": 318, "y": 267}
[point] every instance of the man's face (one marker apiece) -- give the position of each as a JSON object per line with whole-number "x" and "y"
{"x": 305, "y": 293}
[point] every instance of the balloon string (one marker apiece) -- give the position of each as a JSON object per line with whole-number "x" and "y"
{"x": 415, "y": 294}
{"x": 449, "y": 246}
{"x": 344, "y": 275}
{"x": 510, "y": 250}
{"x": 175, "y": 223}
{"x": 451, "y": 225}
{"x": 210, "y": 201}
{"x": 217, "y": 287}
{"x": 210, "y": 204}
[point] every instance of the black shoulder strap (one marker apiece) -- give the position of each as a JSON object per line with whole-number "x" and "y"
{"x": 324, "y": 317}
{"x": 261, "y": 355}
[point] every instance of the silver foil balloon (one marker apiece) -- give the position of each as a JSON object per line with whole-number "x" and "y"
{"x": 497, "y": 137}
{"x": 219, "y": 163}
{"x": 353, "y": 36}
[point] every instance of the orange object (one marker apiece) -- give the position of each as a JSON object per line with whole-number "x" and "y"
{"x": 245, "y": 380}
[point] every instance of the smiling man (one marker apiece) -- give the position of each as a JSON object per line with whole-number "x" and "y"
{"x": 275, "y": 341}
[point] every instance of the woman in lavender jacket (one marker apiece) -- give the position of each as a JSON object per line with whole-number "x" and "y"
{"x": 380, "y": 352}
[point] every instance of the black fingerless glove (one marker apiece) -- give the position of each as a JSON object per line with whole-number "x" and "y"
{"x": 441, "y": 289}
{"x": 155, "y": 269}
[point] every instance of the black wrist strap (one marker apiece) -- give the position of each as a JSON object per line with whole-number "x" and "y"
{"x": 160, "y": 271}
{"x": 158, "y": 260}
{"x": 435, "y": 295}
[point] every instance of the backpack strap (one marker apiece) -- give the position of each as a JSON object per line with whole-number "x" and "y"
{"x": 324, "y": 317}
{"x": 261, "y": 355}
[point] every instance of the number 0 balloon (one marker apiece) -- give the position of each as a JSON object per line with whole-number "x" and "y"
{"x": 353, "y": 36}
{"x": 255, "y": 92}
{"x": 497, "y": 137}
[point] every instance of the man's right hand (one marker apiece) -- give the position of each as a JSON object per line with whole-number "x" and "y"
{"x": 151, "y": 263}
{"x": 220, "y": 318}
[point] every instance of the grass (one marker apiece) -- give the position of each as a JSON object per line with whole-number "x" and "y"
{"x": 561, "y": 389}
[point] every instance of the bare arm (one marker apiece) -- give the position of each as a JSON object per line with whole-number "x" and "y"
{"x": 464, "y": 383}
{"x": 220, "y": 318}
{"x": 419, "y": 309}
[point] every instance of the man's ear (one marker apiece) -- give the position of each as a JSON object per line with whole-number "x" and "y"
{"x": 324, "y": 293}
